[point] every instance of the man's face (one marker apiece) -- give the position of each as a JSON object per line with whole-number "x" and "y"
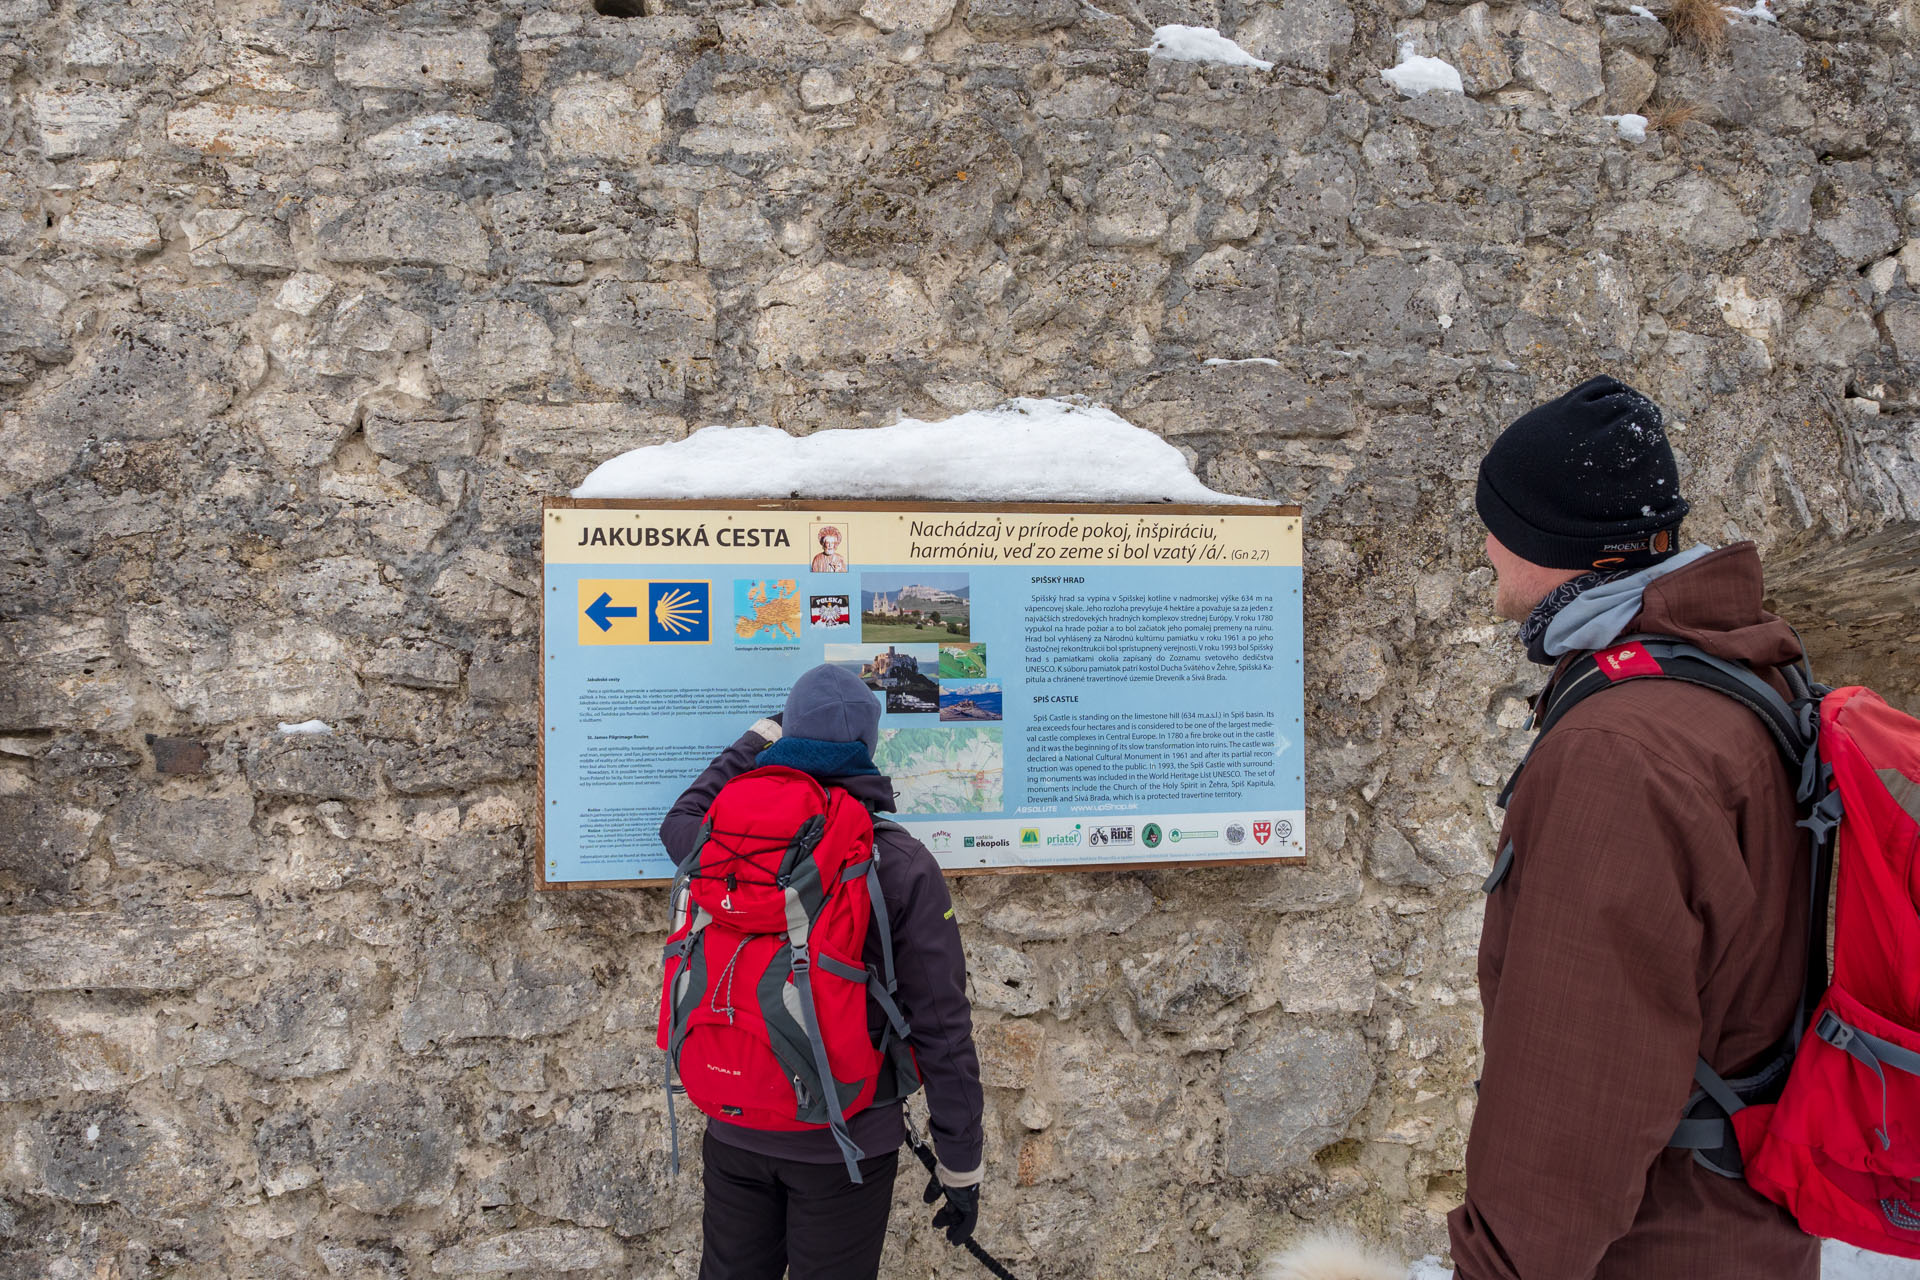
{"x": 1520, "y": 584}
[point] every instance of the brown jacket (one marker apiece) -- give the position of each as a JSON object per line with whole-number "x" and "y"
{"x": 1654, "y": 912}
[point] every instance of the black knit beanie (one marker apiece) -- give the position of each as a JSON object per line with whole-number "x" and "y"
{"x": 1587, "y": 481}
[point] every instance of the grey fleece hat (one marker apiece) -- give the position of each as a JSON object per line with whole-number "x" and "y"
{"x": 831, "y": 704}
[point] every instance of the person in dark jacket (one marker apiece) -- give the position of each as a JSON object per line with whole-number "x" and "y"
{"x": 1653, "y": 906}
{"x": 781, "y": 1202}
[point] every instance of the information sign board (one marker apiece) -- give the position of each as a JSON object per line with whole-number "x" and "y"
{"x": 1060, "y": 685}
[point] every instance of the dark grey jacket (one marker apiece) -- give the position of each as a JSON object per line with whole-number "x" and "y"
{"x": 928, "y": 962}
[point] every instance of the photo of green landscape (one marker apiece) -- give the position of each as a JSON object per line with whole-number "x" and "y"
{"x": 963, "y": 661}
{"x": 914, "y": 607}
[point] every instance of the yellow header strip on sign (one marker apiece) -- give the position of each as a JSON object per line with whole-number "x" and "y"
{"x": 828, "y": 537}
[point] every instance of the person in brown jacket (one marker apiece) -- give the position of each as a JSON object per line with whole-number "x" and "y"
{"x": 1648, "y": 906}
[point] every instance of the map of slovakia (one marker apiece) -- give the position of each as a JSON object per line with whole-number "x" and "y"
{"x": 944, "y": 770}
{"x": 767, "y": 611}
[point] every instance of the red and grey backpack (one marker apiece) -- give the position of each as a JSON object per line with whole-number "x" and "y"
{"x": 1828, "y": 1123}
{"x": 764, "y": 1015}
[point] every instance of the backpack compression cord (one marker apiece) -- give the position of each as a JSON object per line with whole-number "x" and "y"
{"x": 980, "y": 1255}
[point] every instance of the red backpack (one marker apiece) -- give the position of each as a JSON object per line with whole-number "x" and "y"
{"x": 1828, "y": 1123}
{"x": 766, "y": 993}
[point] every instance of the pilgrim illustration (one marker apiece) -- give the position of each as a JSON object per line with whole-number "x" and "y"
{"x": 827, "y": 536}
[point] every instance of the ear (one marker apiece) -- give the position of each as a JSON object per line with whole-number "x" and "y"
{"x": 1332, "y": 1256}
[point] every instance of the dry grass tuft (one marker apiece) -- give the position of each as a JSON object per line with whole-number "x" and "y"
{"x": 1701, "y": 24}
{"x": 1669, "y": 117}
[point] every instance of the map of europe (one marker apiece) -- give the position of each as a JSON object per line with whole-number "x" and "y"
{"x": 766, "y": 611}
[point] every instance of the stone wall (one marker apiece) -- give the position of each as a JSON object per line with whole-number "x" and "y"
{"x": 304, "y": 304}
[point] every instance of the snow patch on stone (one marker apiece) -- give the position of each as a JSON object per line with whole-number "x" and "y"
{"x": 1418, "y": 74}
{"x": 1024, "y": 450}
{"x": 1178, "y": 43}
{"x": 306, "y": 726}
{"x": 1632, "y": 127}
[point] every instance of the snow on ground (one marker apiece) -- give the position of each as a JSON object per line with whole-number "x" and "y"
{"x": 1640, "y": 11}
{"x": 1837, "y": 1262}
{"x": 1200, "y": 44}
{"x": 1418, "y": 74}
{"x": 1024, "y": 450}
{"x": 1214, "y": 361}
{"x": 306, "y": 726}
{"x": 1759, "y": 10}
{"x": 1632, "y": 127}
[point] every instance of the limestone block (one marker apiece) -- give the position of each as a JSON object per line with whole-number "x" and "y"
{"x": 303, "y": 293}
{"x": 283, "y": 1144}
{"x": 41, "y": 840}
{"x": 364, "y": 333}
{"x": 213, "y": 834}
{"x": 89, "y": 1050}
{"x": 312, "y": 766}
{"x": 244, "y": 132}
{"x": 488, "y": 348}
{"x": 1757, "y": 317}
{"x": 1453, "y": 844}
{"x": 424, "y": 436}
{"x": 462, "y": 995}
{"x": 148, "y": 1163}
{"x": 1002, "y": 978}
{"x": 1758, "y": 81}
{"x": 439, "y": 144}
{"x": 1131, "y": 202}
{"x": 1860, "y": 230}
{"x": 1695, "y": 210}
{"x": 501, "y": 757}
{"x": 1290, "y": 1092}
{"x": 1313, "y": 35}
{"x": 299, "y": 429}
{"x": 1558, "y": 58}
{"x": 502, "y": 672}
{"x": 82, "y": 121}
{"x": 820, "y": 90}
{"x": 1009, "y": 1052}
{"x": 417, "y": 62}
{"x": 1837, "y": 329}
{"x": 481, "y": 585}
{"x": 1322, "y": 966}
{"x": 546, "y": 1250}
{"x": 1630, "y": 82}
{"x": 149, "y": 948}
{"x": 384, "y": 1146}
{"x": 600, "y": 1168}
{"x": 1392, "y": 861}
{"x": 1476, "y": 50}
{"x": 399, "y": 226}
{"x": 1786, "y": 207}
{"x": 1391, "y": 301}
{"x": 1902, "y": 321}
{"x": 1078, "y": 906}
{"x": 217, "y": 672}
{"x": 590, "y": 118}
{"x": 116, "y": 230}
{"x": 1232, "y": 308}
{"x": 733, "y": 232}
{"x": 1180, "y": 986}
{"x": 30, "y": 319}
{"x": 1315, "y": 199}
{"x": 1007, "y": 19}
{"x": 915, "y": 17}
{"x": 1645, "y": 36}
{"x": 232, "y": 238}
{"x": 653, "y": 340}
{"x": 416, "y": 664}
{"x": 832, "y": 313}
{"x": 1250, "y": 400}
{"x": 151, "y": 378}
{"x": 305, "y": 1027}
{"x": 69, "y": 676}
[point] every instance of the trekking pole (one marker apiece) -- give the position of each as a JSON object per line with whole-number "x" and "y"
{"x": 985, "y": 1259}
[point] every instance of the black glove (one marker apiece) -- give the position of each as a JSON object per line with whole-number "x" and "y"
{"x": 959, "y": 1214}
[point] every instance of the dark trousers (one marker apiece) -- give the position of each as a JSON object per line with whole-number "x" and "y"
{"x": 765, "y": 1216}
